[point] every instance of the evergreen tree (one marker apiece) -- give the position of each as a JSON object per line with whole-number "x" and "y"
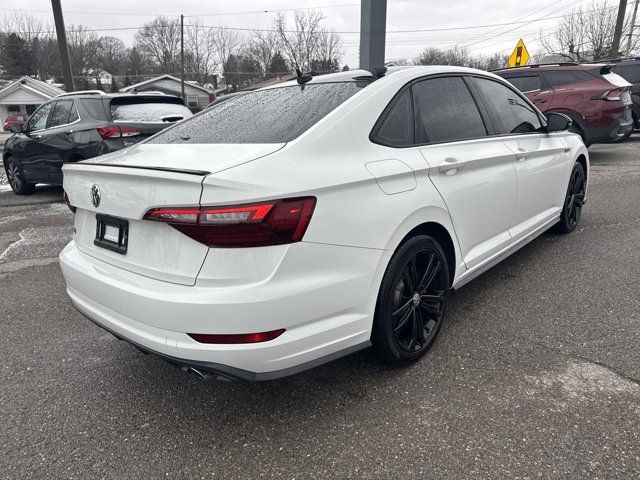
{"x": 15, "y": 56}
{"x": 278, "y": 65}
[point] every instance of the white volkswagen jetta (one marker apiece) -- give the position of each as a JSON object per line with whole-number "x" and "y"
{"x": 295, "y": 224}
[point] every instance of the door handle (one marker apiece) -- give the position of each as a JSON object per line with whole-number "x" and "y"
{"x": 521, "y": 154}
{"x": 37, "y": 137}
{"x": 451, "y": 166}
{"x": 70, "y": 131}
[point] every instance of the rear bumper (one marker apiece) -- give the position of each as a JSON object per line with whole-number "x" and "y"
{"x": 613, "y": 132}
{"x": 324, "y": 317}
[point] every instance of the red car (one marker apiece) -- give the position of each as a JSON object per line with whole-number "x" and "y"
{"x": 597, "y": 100}
{"x": 15, "y": 119}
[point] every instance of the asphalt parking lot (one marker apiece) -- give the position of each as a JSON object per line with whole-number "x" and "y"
{"x": 536, "y": 373}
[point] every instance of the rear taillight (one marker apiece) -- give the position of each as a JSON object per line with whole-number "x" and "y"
{"x": 255, "y": 225}
{"x": 66, "y": 200}
{"x": 236, "y": 338}
{"x": 115, "y": 131}
{"x": 612, "y": 95}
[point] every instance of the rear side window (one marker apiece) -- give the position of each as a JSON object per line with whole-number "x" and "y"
{"x": 445, "y": 111}
{"x": 397, "y": 129}
{"x": 147, "y": 110}
{"x": 525, "y": 83}
{"x": 508, "y": 109}
{"x": 94, "y": 108}
{"x": 60, "y": 113}
{"x": 557, "y": 78}
{"x": 274, "y": 115}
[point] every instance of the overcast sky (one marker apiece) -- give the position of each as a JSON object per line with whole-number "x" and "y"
{"x": 341, "y": 16}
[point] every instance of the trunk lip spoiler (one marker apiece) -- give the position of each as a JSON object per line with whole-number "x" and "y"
{"x": 187, "y": 171}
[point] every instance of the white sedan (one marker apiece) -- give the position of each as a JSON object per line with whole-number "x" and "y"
{"x": 295, "y": 224}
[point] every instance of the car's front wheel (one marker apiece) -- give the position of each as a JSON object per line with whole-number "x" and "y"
{"x": 16, "y": 179}
{"x": 573, "y": 201}
{"x": 412, "y": 301}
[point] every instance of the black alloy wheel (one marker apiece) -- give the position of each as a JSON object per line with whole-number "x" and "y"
{"x": 574, "y": 200}
{"x": 412, "y": 301}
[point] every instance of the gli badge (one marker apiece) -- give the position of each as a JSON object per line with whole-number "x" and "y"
{"x": 95, "y": 195}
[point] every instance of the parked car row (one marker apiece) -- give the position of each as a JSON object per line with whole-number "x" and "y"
{"x": 82, "y": 125}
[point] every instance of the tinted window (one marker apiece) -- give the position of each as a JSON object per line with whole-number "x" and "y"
{"x": 94, "y": 108}
{"x": 445, "y": 111}
{"x": 397, "y": 128}
{"x": 528, "y": 83}
{"x": 38, "y": 120}
{"x": 565, "y": 77}
{"x": 509, "y": 109}
{"x": 631, "y": 73}
{"x": 148, "y": 110}
{"x": 273, "y": 115}
{"x": 60, "y": 113}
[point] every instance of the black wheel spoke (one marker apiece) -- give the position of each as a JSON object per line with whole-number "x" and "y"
{"x": 402, "y": 308}
{"x": 403, "y": 320}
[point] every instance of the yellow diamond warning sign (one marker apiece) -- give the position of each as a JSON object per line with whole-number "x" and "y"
{"x": 520, "y": 55}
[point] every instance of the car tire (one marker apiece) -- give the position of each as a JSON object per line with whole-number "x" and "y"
{"x": 407, "y": 318}
{"x": 16, "y": 178}
{"x": 573, "y": 201}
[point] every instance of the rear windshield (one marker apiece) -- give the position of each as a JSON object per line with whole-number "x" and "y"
{"x": 630, "y": 72}
{"x": 274, "y": 115}
{"x": 148, "y": 110}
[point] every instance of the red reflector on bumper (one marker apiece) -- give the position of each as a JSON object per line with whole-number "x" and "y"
{"x": 236, "y": 338}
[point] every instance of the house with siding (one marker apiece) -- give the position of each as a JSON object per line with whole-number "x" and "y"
{"x": 25, "y": 95}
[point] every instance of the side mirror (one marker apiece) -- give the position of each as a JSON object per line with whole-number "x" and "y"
{"x": 558, "y": 122}
{"x": 16, "y": 129}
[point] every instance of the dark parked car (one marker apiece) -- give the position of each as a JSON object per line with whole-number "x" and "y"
{"x": 15, "y": 119}
{"x": 82, "y": 125}
{"x": 629, "y": 69}
{"x": 597, "y": 100}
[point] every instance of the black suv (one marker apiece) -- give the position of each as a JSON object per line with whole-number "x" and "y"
{"x": 629, "y": 69}
{"x": 80, "y": 125}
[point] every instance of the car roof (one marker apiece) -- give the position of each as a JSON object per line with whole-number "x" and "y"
{"x": 395, "y": 71}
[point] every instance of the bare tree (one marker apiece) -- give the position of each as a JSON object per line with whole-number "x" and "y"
{"x": 301, "y": 43}
{"x": 328, "y": 52}
{"x": 84, "y": 48}
{"x": 262, "y": 46}
{"x": 227, "y": 42}
{"x": 112, "y": 54}
{"x": 585, "y": 34}
{"x": 38, "y": 41}
{"x": 201, "y": 58}
{"x": 160, "y": 40}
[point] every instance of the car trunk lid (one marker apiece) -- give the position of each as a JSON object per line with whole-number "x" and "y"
{"x": 132, "y": 182}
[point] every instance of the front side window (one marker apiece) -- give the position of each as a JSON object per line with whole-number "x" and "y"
{"x": 525, "y": 83}
{"x": 273, "y": 115}
{"x": 445, "y": 111}
{"x": 397, "y": 130}
{"x": 38, "y": 120}
{"x": 512, "y": 113}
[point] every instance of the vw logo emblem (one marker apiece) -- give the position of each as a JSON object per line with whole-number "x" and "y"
{"x": 95, "y": 195}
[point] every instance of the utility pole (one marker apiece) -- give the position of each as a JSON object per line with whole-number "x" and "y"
{"x": 617, "y": 33}
{"x": 182, "y": 58}
{"x": 62, "y": 45}
{"x": 631, "y": 28}
{"x": 373, "y": 26}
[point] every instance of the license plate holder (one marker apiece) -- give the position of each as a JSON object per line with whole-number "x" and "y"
{"x": 112, "y": 233}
